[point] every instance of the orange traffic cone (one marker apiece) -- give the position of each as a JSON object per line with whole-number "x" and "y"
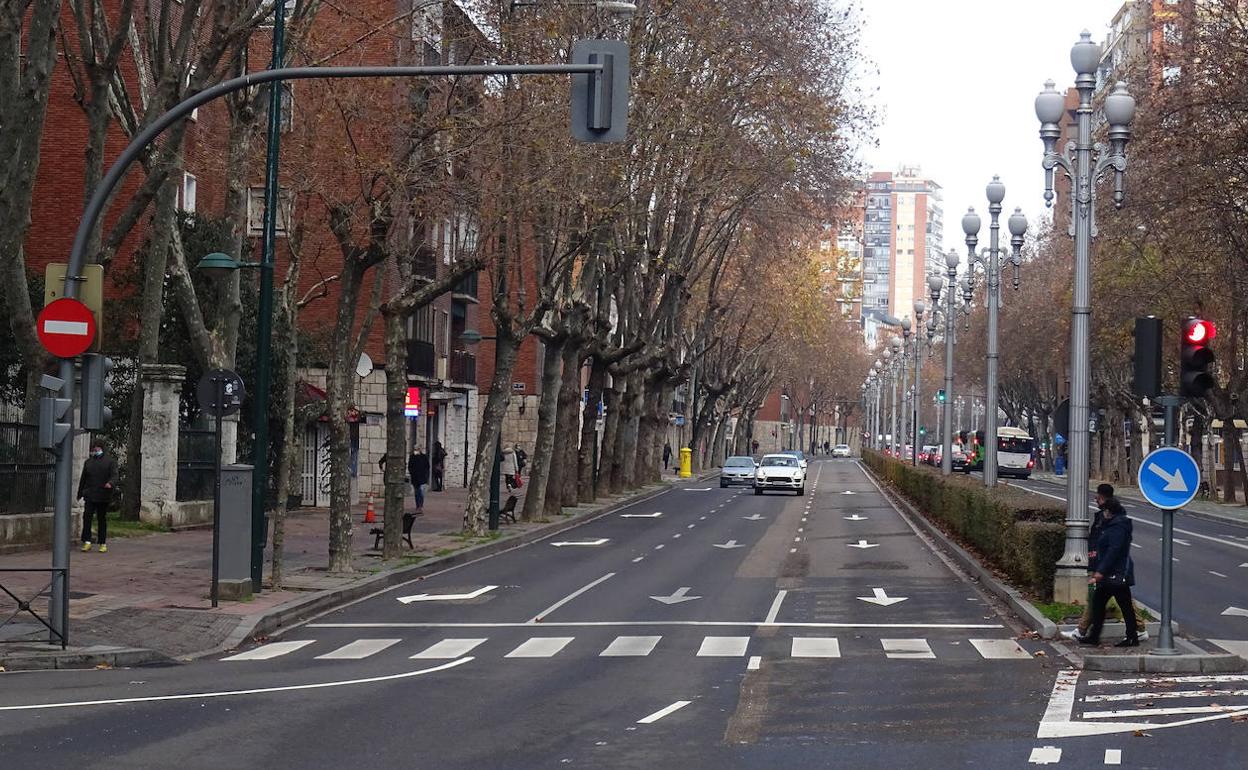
{"x": 370, "y": 515}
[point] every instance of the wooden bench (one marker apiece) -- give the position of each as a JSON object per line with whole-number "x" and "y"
{"x": 508, "y": 511}
{"x": 378, "y": 533}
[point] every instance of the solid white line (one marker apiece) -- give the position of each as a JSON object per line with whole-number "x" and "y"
{"x": 570, "y": 597}
{"x": 448, "y": 649}
{"x": 1130, "y": 696}
{"x": 1204, "y": 679}
{"x": 222, "y": 694}
{"x": 622, "y": 623}
{"x": 540, "y": 647}
{"x": 1113, "y": 756}
{"x": 756, "y": 662}
{"x": 359, "y": 649}
{"x": 723, "y": 646}
{"x": 1062, "y": 701}
{"x": 775, "y": 607}
{"x": 630, "y": 647}
{"x": 656, "y": 716}
{"x": 1137, "y": 713}
{"x": 268, "y": 651}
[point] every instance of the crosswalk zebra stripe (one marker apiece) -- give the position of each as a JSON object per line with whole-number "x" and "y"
{"x": 911, "y": 649}
{"x": 540, "y": 647}
{"x": 816, "y": 647}
{"x": 360, "y": 648}
{"x": 273, "y": 650}
{"x": 630, "y": 646}
{"x": 1000, "y": 649}
{"x": 723, "y": 646}
{"x": 447, "y": 649}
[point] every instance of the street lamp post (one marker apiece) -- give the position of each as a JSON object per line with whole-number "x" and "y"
{"x": 936, "y": 284}
{"x": 919, "y": 307}
{"x": 899, "y": 365}
{"x": 877, "y": 374}
{"x": 992, "y": 260}
{"x": 1088, "y": 163}
{"x": 960, "y": 402}
{"x": 906, "y": 428}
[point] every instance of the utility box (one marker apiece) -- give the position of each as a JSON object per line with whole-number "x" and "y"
{"x": 234, "y": 578}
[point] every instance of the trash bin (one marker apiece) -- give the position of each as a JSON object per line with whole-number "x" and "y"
{"x": 234, "y": 578}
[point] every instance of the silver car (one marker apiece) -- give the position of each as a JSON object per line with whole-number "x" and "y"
{"x": 737, "y": 470}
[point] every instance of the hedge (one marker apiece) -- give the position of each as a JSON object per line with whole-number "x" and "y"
{"x": 1016, "y": 533}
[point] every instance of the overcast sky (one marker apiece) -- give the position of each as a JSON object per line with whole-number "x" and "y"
{"x": 957, "y": 80}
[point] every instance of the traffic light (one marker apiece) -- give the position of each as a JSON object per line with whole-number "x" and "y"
{"x": 96, "y": 390}
{"x": 600, "y": 99}
{"x": 1196, "y": 359}
{"x": 52, "y": 412}
{"x": 940, "y": 395}
{"x": 1147, "y": 377}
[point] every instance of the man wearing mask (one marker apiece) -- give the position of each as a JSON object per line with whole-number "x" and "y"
{"x": 95, "y": 489}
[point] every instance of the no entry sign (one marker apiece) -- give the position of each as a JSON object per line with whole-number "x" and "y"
{"x": 66, "y": 328}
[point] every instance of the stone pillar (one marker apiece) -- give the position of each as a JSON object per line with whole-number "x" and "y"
{"x": 162, "y": 390}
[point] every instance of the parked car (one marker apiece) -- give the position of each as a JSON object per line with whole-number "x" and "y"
{"x": 841, "y": 450}
{"x": 780, "y": 471}
{"x": 737, "y": 470}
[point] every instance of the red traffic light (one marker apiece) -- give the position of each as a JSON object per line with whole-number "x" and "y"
{"x": 1199, "y": 331}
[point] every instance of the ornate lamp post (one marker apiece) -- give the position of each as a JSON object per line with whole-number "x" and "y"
{"x": 1083, "y": 163}
{"x": 949, "y": 284}
{"x": 899, "y": 366}
{"x": 906, "y": 427}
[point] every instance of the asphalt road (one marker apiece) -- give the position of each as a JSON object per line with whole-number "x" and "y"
{"x": 704, "y": 628}
{"x": 1210, "y": 563}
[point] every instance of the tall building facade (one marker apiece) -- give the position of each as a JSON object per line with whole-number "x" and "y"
{"x": 903, "y": 229}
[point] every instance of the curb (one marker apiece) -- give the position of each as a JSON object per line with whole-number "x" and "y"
{"x": 1046, "y": 628}
{"x": 1164, "y": 664}
{"x": 86, "y": 657}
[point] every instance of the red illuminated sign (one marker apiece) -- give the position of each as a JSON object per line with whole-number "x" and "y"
{"x": 411, "y": 406}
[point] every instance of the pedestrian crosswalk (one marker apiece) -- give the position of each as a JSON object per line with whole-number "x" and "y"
{"x": 629, "y": 646}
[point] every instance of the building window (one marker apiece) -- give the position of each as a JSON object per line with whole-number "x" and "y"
{"x": 186, "y": 196}
{"x": 1172, "y": 33}
{"x": 1170, "y": 74}
{"x": 427, "y": 33}
{"x": 255, "y": 210}
{"x": 420, "y": 325}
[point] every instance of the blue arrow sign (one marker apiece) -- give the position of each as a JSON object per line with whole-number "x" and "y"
{"x": 1169, "y": 478}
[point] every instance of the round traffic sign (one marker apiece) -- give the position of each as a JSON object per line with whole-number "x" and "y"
{"x": 66, "y": 327}
{"x": 231, "y": 392}
{"x": 1169, "y": 478}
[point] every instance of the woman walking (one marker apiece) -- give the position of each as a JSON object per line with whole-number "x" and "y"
{"x": 1113, "y": 576}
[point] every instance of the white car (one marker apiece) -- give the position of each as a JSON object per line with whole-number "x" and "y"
{"x": 780, "y": 472}
{"x": 841, "y": 450}
{"x": 737, "y": 470}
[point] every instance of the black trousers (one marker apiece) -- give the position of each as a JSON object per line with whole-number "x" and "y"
{"x": 1100, "y": 597}
{"x": 98, "y": 511}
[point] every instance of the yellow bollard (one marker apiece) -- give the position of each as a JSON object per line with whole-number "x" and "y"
{"x": 686, "y": 462}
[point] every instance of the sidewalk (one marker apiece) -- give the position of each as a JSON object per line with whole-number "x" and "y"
{"x": 1236, "y": 513}
{"x": 147, "y": 598}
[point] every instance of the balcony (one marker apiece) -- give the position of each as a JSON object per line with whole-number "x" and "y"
{"x": 420, "y": 358}
{"x": 466, "y": 289}
{"x": 463, "y": 367}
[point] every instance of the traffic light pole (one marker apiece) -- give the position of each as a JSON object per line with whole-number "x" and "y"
{"x": 1165, "y": 638}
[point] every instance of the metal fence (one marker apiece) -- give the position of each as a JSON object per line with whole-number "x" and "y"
{"x": 195, "y": 463}
{"x": 26, "y": 471}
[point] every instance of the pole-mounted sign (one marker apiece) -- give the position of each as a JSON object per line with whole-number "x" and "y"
{"x": 66, "y": 328}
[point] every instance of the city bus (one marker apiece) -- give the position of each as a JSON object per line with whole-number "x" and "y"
{"x": 1015, "y": 453}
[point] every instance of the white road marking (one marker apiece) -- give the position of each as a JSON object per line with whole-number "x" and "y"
{"x": 599, "y": 541}
{"x": 755, "y": 517}
{"x": 639, "y": 558}
{"x": 855, "y": 517}
{"x": 816, "y": 647}
{"x": 728, "y": 545}
{"x": 654, "y": 515}
{"x": 227, "y": 693}
{"x": 1232, "y": 646}
{"x": 272, "y": 650}
{"x": 1163, "y": 695}
{"x": 909, "y": 649}
{"x": 676, "y": 536}
{"x": 775, "y": 607}
{"x": 792, "y": 550}
{"x": 1216, "y": 574}
{"x": 540, "y": 647}
{"x": 1241, "y": 612}
{"x": 756, "y": 662}
{"x": 1045, "y": 755}
{"x": 630, "y": 646}
{"x": 701, "y": 518}
{"x": 1136, "y": 545}
{"x": 797, "y": 540}
{"x": 881, "y": 598}
{"x": 679, "y": 596}
{"x": 723, "y": 646}
{"x": 1113, "y": 756}
{"x": 448, "y": 649}
{"x": 632, "y": 623}
{"x": 1151, "y": 712}
{"x": 1196, "y": 679}
{"x": 691, "y": 526}
{"x": 1000, "y": 649}
{"x": 446, "y": 597}
{"x": 570, "y": 597}
{"x": 659, "y": 547}
{"x": 360, "y": 648}
{"x": 656, "y": 716}
{"x": 863, "y": 544}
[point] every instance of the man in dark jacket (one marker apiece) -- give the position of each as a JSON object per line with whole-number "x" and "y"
{"x": 1105, "y": 501}
{"x": 418, "y": 472}
{"x": 1113, "y": 574}
{"x": 439, "y": 467}
{"x": 95, "y": 489}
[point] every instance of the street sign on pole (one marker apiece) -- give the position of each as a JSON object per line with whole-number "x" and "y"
{"x": 1169, "y": 478}
{"x": 66, "y": 328}
{"x": 90, "y": 291}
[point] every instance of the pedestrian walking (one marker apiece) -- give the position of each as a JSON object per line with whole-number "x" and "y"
{"x": 1114, "y": 573}
{"x": 1105, "y": 500}
{"x": 522, "y": 459}
{"x": 508, "y": 467}
{"x": 95, "y": 489}
{"x": 439, "y": 467}
{"x": 418, "y": 474}
{"x": 667, "y": 454}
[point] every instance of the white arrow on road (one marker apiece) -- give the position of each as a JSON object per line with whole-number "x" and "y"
{"x": 863, "y": 544}
{"x": 755, "y": 517}
{"x": 849, "y": 492}
{"x": 654, "y": 515}
{"x": 678, "y": 596}
{"x": 599, "y": 541}
{"x": 446, "y": 597}
{"x": 1174, "y": 481}
{"x": 882, "y": 599}
{"x": 1235, "y": 611}
{"x": 729, "y": 544}
{"x": 855, "y": 517}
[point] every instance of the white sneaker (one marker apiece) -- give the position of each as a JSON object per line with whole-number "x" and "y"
{"x": 1143, "y": 635}
{"x": 1072, "y": 635}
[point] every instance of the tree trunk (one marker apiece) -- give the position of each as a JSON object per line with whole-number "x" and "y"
{"x": 1229, "y": 444}
{"x": 586, "y": 488}
{"x": 395, "y": 474}
{"x": 630, "y": 429}
{"x": 287, "y": 450}
{"x": 338, "y": 398}
{"x": 612, "y": 464}
{"x": 566, "y": 449}
{"x": 544, "y": 447}
{"x": 505, "y": 351}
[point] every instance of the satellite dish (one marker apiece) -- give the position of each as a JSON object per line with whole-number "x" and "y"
{"x": 365, "y": 365}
